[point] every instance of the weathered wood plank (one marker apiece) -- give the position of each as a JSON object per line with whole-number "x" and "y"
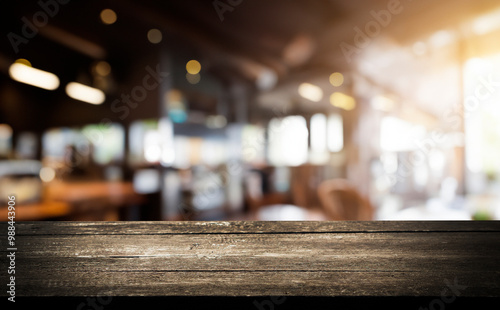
{"x": 262, "y": 227}
{"x": 427, "y": 245}
{"x": 257, "y": 258}
{"x": 258, "y": 283}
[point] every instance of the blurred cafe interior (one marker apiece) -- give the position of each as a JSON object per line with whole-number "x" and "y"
{"x": 250, "y": 110}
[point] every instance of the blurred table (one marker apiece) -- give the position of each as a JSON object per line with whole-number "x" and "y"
{"x": 93, "y": 200}
{"x": 78, "y": 201}
{"x": 38, "y": 211}
{"x": 112, "y": 191}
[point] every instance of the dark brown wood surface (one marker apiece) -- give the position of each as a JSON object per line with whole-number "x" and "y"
{"x": 256, "y": 258}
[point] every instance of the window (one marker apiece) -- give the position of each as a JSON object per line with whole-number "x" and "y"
{"x": 55, "y": 141}
{"x": 108, "y": 142}
{"x": 318, "y": 133}
{"x": 319, "y": 153}
{"x": 139, "y": 145}
{"x": 335, "y": 133}
{"x": 482, "y": 119}
{"x": 26, "y": 146}
{"x": 288, "y": 141}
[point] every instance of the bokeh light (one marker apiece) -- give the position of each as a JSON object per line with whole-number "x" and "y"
{"x": 310, "y": 92}
{"x": 336, "y": 79}
{"x": 342, "y": 101}
{"x": 193, "y": 67}
{"x": 155, "y": 36}
{"x": 193, "y": 78}
{"x": 103, "y": 68}
{"x": 47, "y": 174}
{"x": 108, "y": 16}
{"x": 24, "y": 62}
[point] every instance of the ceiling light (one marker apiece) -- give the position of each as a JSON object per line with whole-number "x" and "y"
{"x": 103, "y": 68}
{"x": 336, "y": 79}
{"x": 342, "y": 101}
{"x": 310, "y": 92}
{"x": 193, "y": 67}
{"x": 108, "y": 16}
{"x": 32, "y": 76}
{"x": 154, "y": 36}
{"x": 85, "y": 93}
{"x": 24, "y": 62}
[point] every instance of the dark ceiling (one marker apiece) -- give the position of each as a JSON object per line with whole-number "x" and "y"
{"x": 290, "y": 38}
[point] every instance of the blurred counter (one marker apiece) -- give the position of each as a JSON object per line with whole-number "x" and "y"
{"x": 97, "y": 200}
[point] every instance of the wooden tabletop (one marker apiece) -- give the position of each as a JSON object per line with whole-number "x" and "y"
{"x": 350, "y": 259}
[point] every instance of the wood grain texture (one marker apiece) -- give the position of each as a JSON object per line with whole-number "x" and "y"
{"x": 256, "y": 258}
{"x": 258, "y": 227}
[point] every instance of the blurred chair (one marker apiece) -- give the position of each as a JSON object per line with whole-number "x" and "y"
{"x": 258, "y": 191}
{"x": 342, "y": 202}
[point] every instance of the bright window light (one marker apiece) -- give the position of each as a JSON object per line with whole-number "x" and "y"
{"x": 397, "y": 135}
{"x": 482, "y": 130}
{"x": 152, "y": 146}
{"x": 318, "y": 133}
{"x": 288, "y": 141}
{"x": 146, "y": 181}
{"x": 55, "y": 141}
{"x": 253, "y": 144}
{"x": 319, "y": 154}
{"x": 108, "y": 142}
{"x": 213, "y": 152}
{"x": 166, "y": 130}
{"x": 182, "y": 149}
{"x": 335, "y": 133}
